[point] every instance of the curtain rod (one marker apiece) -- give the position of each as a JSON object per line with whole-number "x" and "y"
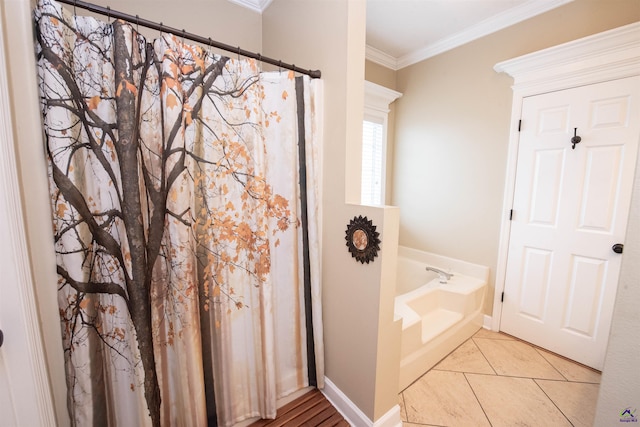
{"x": 182, "y": 33}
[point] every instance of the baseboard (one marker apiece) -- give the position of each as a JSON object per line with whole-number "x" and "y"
{"x": 353, "y": 414}
{"x": 344, "y": 405}
{"x": 391, "y": 419}
{"x": 488, "y": 320}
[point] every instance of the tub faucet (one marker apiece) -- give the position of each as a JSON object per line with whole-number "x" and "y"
{"x": 444, "y": 276}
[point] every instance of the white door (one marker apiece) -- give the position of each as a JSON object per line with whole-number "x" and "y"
{"x": 570, "y": 207}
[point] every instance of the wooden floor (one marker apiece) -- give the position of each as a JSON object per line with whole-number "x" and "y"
{"x": 310, "y": 410}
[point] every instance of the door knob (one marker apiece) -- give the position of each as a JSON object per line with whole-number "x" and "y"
{"x": 617, "y": 248}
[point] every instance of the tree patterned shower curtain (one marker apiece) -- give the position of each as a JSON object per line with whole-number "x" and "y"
{"x": 176, "y": 213}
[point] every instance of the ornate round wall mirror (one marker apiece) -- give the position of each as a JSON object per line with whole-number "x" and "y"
{"x": 362, "y": 239}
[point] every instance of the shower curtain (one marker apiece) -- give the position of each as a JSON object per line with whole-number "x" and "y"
{"x": 174, "y": 177}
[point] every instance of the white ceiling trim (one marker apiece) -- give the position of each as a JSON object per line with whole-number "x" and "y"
{"x": 503, "y": 20}
{"x": 255, "y": 5}
{"x": 381, "y": 58}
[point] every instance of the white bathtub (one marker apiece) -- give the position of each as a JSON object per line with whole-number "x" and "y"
{"x": 436, "y": 318}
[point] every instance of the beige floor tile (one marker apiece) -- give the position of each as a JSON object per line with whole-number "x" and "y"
{"x": 466, "y": 358}
{"x": 445, "y": 399}
{"x": 577, "y": 401}
{"x": 515, "y": 402}
{"x": 403, "y": 411}
{"x": 486, "y": 333}
{"x": 570, "y": 370}
{"x": 516, "y": 359}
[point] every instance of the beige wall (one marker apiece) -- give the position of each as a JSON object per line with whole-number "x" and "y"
{"x": 380, "y": 75}
{"x": 452, "y": 131}
{"x": 221, "y": 20}
{"x": 361, "y": 344}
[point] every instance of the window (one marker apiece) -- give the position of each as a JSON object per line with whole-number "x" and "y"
{"x": 374, "y": 142}
{"x": 372, "y": 155}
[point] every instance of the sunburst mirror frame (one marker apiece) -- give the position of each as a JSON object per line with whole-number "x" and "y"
{"x": 362, "y": 239}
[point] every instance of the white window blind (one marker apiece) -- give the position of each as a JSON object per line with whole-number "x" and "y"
{"x": 372, "y": 155}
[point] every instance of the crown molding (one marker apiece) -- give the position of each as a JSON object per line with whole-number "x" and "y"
{"x": 255, "y": 5}
{"x": 612, "y": 54}
{"x": 381, "y": 58}
{"x": 379, "y": 97}
{"x": 491, "y": 25}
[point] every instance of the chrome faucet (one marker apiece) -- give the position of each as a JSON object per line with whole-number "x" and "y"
{"x": 444, "y": 276}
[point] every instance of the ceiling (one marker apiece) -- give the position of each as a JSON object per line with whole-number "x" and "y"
{"x": 403, "y": 32}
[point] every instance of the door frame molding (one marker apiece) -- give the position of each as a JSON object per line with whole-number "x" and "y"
{"x": 15, "y": 249}
{"x": 610, "y": 55}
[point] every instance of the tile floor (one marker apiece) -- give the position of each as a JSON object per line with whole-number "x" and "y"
{"x": 496, "y": 380}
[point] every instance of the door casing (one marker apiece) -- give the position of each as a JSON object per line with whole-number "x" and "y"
{"x": 23, "y": 367}
{"x": 605, "y": 56}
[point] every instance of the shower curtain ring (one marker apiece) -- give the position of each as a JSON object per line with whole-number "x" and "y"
{"x": 137, "y": 24}
{"x": 161, "y": 29}
{"x": 74, "y": 8}
{"x": 238, "y": 53}
{"x": 108, "y": 15}
{"x": 280, "y": 66}
{"x": 210, "y": 43}
{"x": 183, "y": 32}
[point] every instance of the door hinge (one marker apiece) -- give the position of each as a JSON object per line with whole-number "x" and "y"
{"x": 502, "y": 297}
{"x": 511, "y": 215}
{"x": 519, "y": 125}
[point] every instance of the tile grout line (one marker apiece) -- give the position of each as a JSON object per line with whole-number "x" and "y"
{"x": 567, "y": 381}
{"x": 552, "y": 401}
{"x": 552, "y": 365}
{"x": 477, "y": 400}
{"x": 449, "y": 354}
{"x": 484, "y": 356}
{"x": 518, "y": 376}
{"x": 404, "y": 405}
